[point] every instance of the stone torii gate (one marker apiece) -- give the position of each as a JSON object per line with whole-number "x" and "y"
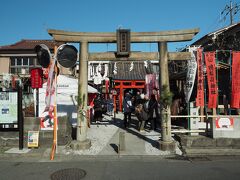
{"x": 162, "y": 38}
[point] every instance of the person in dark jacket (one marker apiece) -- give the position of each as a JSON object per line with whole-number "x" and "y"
{"x": 153, "y": 111}
{"x": 127, "y": 109}
{"x": 97, "y": 108}
{"x": 141, "y": 112}
{"x": 138, "y": 99}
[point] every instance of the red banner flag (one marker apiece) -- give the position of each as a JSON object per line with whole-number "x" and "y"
{"x": 211, "y": 77}
{"x": 235, "y": 99}
{"x": 200, "y": 79}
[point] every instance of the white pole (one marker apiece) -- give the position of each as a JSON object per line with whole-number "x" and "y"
{"x": 34, "y": 101}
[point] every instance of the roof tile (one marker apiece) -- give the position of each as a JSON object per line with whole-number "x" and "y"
{"x": 29, "y": 44}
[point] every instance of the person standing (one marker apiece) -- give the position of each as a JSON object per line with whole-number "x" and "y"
{"x": 153, "y": 112}
{"x": 127, "y": 109}
{"x": 141, "y": 112}
{"x": 110, "y": 105}
{"x": 97, "y": 108}
{"x": 137, "y": 99}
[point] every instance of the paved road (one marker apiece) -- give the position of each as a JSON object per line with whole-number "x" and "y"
{"x": 128, "y": 168}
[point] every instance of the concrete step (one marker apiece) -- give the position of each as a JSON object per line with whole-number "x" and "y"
{"x": 207, "y": 142}
{"x": 211, "y": 152}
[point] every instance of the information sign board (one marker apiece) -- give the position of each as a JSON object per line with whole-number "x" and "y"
{"x": 33, "y": 137}
{"x": 8, "y": 109}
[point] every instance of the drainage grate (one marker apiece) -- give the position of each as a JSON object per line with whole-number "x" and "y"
{"x": 68, "y": 174}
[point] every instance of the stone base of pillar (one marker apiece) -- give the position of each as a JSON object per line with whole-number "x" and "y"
{"x": 80, "y": 145}
{"x": 167, "y": 146}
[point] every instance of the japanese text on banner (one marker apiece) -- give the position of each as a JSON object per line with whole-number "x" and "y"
{"x": 211, "y": 78}
{"x": 191, "y": 74}
{"x": 200, "y": 80}
{"x": 235, "y": 99}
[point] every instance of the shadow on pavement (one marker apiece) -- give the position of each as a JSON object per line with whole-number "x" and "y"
{"x": 134, "y": 124}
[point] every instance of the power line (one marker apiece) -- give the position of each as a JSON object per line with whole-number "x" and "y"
{"x": 230, "y": 10}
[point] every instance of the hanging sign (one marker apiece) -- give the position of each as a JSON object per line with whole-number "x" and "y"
{"x": 191, "y": 74}
{"x": 211, "y": 77}
{"x": 36, "y": 78}
{"x": 235, "y": 99}
{"x": 200, "y": 79}
{"x": 123, "y": 42}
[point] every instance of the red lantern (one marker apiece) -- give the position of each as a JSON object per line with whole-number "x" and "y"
{"x": 36, "y": 78}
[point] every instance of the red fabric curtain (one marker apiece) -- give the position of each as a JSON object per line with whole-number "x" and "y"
{"x": 200, "y": 79}
{"x": 211, "y": 78}
{"x": 235, "y": 99}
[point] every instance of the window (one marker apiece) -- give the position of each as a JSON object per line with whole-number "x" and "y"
{"x": 22, "y": 65}
{"x": 12, "y": 71}
{"x": 25, "y": 61}
{"x": 19, "y": 61}
{"x": 34, "y": 61}
{"x": 12, "y": 61}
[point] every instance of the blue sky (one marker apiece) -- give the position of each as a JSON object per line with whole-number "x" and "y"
{"x": 30, "y": 19}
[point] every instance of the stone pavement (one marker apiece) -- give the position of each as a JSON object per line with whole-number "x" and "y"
{"x": 104, "y": 138}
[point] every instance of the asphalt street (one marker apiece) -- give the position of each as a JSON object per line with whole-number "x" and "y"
{"x": 127, "y": 168}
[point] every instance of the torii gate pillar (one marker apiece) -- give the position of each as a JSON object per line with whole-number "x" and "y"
{"x": 82, "y": 122}
{"x": 166, "y": 142}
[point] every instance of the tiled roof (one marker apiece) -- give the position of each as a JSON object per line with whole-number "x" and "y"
{"x": 123, "y": 71}
{"x": 29, "y": 45}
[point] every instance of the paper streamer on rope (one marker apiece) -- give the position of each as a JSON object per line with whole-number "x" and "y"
{"x": 131, "y": 66}
{"x": 47, "y": 117}
{"x": 51, "y": 86}
{"x": 235, "y": 99}
{"x": 105, "y": 71}
{"x": 200, "y": 79}
{"x": 191, "y": 74}
{"x": 115, "y": 68}
{"x": 211, "y": 78}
